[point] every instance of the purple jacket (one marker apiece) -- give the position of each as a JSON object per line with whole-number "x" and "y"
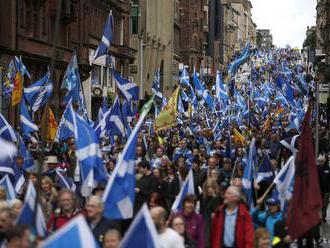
{"x": 194, "y": 227}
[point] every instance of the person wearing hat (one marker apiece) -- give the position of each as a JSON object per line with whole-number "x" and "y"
{"x": 50, "y": 164}
{"x": 269, "y": 217}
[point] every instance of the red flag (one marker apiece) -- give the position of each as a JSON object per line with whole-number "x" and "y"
{"x": 306, "y": 202}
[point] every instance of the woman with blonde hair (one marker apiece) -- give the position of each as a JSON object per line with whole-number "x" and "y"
{"x": 210, "y": 201}
{"x": 262, "y": 238}
{"x": 48, "y": 196}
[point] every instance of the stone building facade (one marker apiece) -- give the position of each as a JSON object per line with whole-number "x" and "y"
{"x": 28, "y": 30}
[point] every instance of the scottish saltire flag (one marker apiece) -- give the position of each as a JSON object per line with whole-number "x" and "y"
{"x": 75, "y": 234}
{"x": 119, "y": 194}
{"x": 249, "y": 171}
{"x": 112, "y": 122}
{"x": 284, "y": 182}
{"x": 184, "y": 96}
{"x": 142, "y": 232}
{"x": 7, "y": 152}
{"x": 27, "y": 213}
{"x": 184, "y": 78}
{"x": 6, "y": 130}
{"x": 22, "y": 67}
{"x": 240, "y": 60}
{"x": 220, "y": 89}
{"x": 155, "y": 88}
{"x": 180, "y": 105}
{"x": 128, "y": 89}
{"x": 7, "y": 185}
{"x": 290, "y": 143}
{"x": 106, "y": 40}
{"x": 65, "y": 128}
{"x": 8, "y": 84}
{"x": 207, "y": 97}
{"x": 280, "y": 98}
{"x": 288, "y": 90}
{"x": 65, "y": 181}
{"x": 38, "y": 93}
{"x": 88, "y": 154}
{"x": 187, "y": 188}
{"x": 71, "y": 82}
{"x": 295, "y": 123}
{"x": 25, "y": 154}
{"x": 260, "y": 100}
{"x": 129, "y": 111}
{"x": 265, "y": 171}
{"x": 115, "y": 124}
{"x": 27, "y": 125}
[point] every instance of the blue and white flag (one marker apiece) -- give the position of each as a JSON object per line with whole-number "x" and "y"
{"x": 184, "y": 78}
{"x": 220, "y": 89}
{"x": 199, "y": 87}
{"x": 112, "y": 122}
{"x": 249, "y": 172}
{"x": 180, "y": 105}
{"x": 240, "y": 60}
{"x": 7, "y": 152}
{"x": 142, "y": 232}
{"x": 6, "y": 130}
{"x": 187, "y": 188}
{"x": 119, "y": 194}
{"x": 128, "y": 89}
{"x": 25, "y": 154}
{"x": 7, "y": 185}
{"x": 22, "y": 67}
{"x": 38, "y": 93}
{"x": 106, "y": 40}
{"x": 284, "y": 182}
{"x": 75, "y": 234}
{"x": 295, "y": 123}
{"x": 8, "y": 84}
{"x": 265, "y": 171}
{"x": 71, "y": 82}
{"x": 156, "y": 85}
{"x": 27, "y": 125}
{"x": 65, "y": 181}
{"x": 27, "y": 213}
{"x": 280, "y": 98}
{"x": 88, "y": 154}
{"x": 65, "y": 129}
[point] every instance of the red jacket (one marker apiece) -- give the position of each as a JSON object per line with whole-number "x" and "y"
{"x": 57, "y": 220}
{"x": 244, "y": 232}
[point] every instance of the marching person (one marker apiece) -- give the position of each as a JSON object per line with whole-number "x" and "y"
{"x": 232, "y": 224}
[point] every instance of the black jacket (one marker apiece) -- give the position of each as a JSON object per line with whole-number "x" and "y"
{"x": 147, "y": 185}
{"x": 102, "y": 227}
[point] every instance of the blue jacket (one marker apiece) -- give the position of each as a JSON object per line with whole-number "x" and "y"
{"x": 264, "y": 218}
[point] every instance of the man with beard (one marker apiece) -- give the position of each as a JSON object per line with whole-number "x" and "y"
{"x": 168, "y": 237}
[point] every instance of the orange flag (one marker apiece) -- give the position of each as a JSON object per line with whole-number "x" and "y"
{"x": 48, "y": 125}
{"x": 18, "y": 87}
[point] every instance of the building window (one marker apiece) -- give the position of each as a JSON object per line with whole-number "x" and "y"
{"x": 96, "y": 74}
{"x": 105, "y": 75}
{"x": 134, "y": 17}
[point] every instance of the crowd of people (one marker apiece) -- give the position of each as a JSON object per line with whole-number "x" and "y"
{"x": 214, "y": 146}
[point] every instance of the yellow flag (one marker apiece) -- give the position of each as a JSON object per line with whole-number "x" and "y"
{"x": 239, "y": 137}
{"x": 167, "y": 117}
{"x": 49, "y": 125}
{"x": 18, "y": 89}
{"x": 276, "y": 240}
{"x": 278, "y": 111}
